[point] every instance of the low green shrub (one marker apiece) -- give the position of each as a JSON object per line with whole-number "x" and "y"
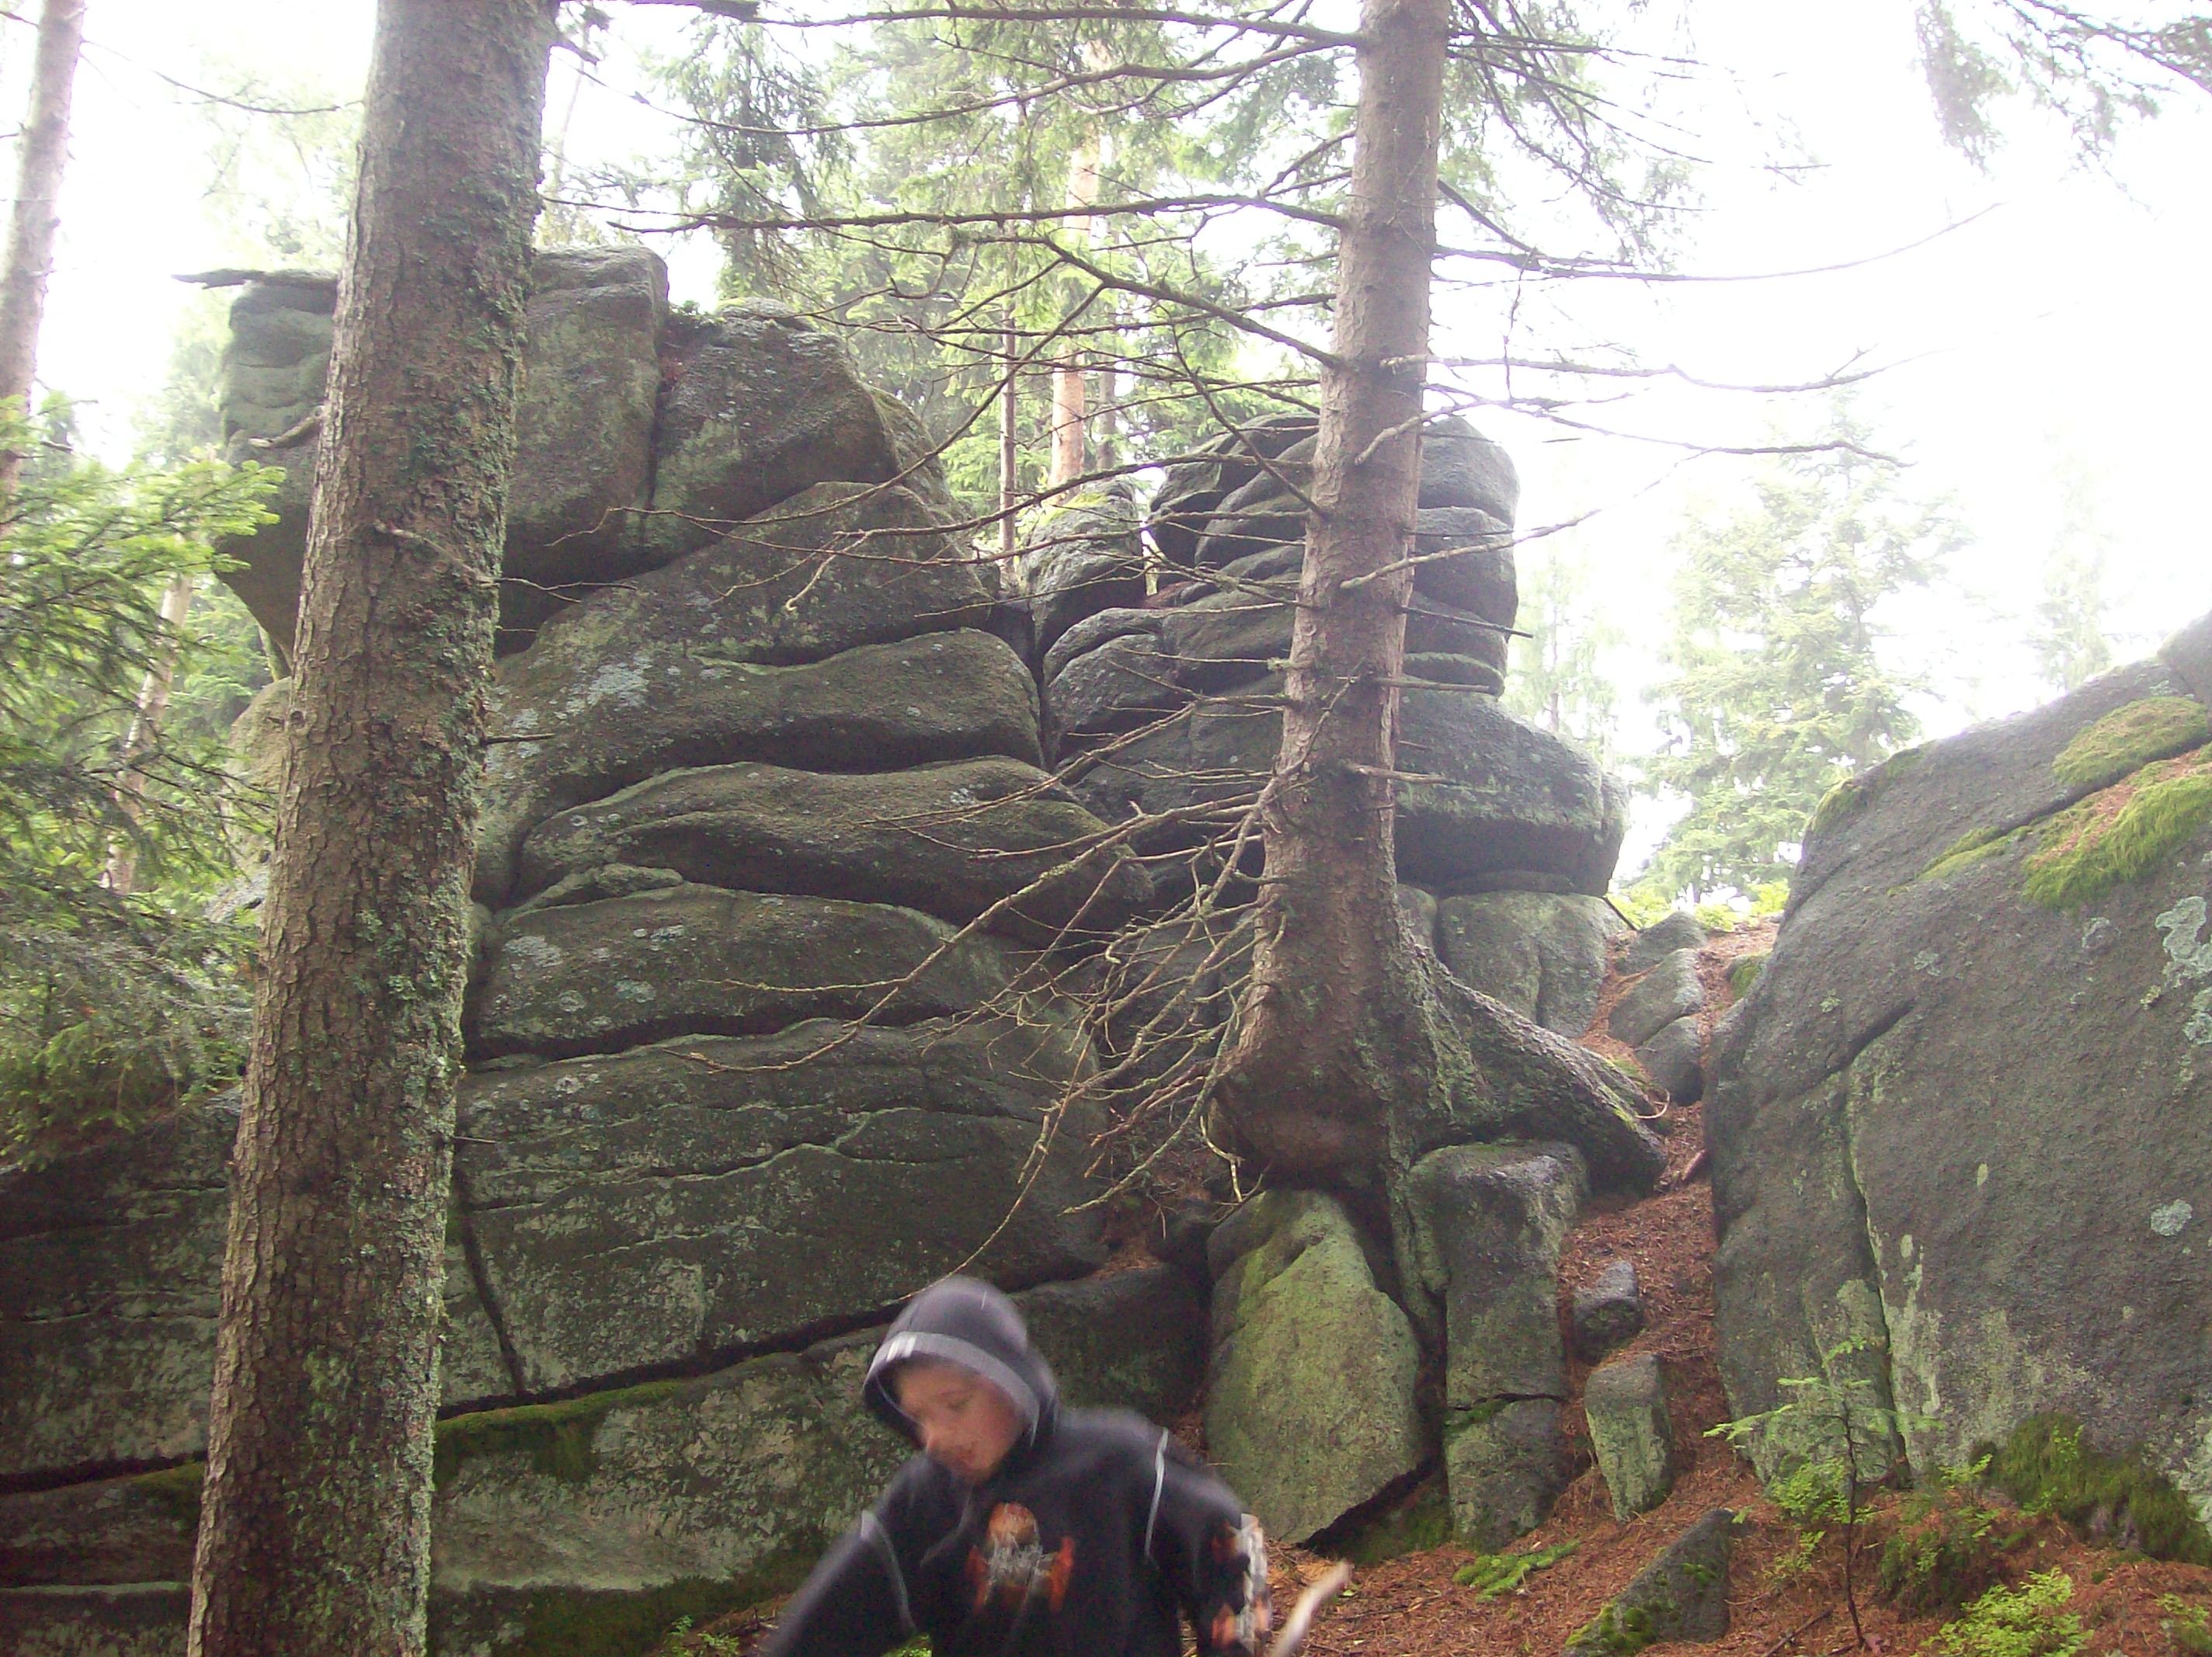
{"x": 2028, "y": 1621}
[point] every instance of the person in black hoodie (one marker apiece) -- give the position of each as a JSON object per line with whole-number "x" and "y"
{"x": 1022, "y": 1529}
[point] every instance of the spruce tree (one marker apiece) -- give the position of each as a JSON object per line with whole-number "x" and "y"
{"x": 1780, "y": 686}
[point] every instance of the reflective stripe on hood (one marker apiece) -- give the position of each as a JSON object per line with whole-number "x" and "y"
{"x": 962, "y": 1321}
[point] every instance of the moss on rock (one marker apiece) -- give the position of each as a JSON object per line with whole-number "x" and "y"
{"x": 2121, "y": 833}
{"x": 2048, "y": 1466}
{"x": 1852, "y": 796}
{"x": 2129, "y": 738}
{"x": 556, "y": 1436}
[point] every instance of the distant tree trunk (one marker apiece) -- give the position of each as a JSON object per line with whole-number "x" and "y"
{"x": 122, "y": 874}
{"x": 1009, "y": 448}
{"x": 36, "y": 218}
{"x": 1069, "y": 395}
{"x": 315, "y": 1536}
{"x": 1326, "y": 1023}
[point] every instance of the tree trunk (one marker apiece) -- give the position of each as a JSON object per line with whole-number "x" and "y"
{"x": 122, "y": 874}
{"x": 1070, "y": 409}
{"x": 315, "y": 1528}
{"x": 32, "y": 228}
{"x": 1009, "y": 447}
{"x": 1334, "y": 985}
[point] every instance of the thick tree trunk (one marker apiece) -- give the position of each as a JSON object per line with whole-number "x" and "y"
{"x": 1330, "y": 1020}
{"x": 36, "y": 218}
{"x": 315, "y": 1530}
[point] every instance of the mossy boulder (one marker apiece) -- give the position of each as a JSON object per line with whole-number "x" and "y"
{"x": 1495, "y": 802}
{"x": 956, "y": 841}
{"x": 1310, "y": 1409}
{"x": 1542, "y": 954}
{"x": 1505, "y": 1464}
{"x": 698, "y": 960}
{"x": 760, "y": 404}
{"x": 1965, "y": 1112}
{"x": 1670, "y": 990}
{"x": 717, "y": 1194}
{"x": 1683, "y": 1594}
{"x": 1625, "y": 1402}
{"x": 593, "y": 708}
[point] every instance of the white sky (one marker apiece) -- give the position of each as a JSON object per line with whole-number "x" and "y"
{"x": 2062, "y": 327}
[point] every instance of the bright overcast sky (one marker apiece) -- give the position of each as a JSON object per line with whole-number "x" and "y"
{"x": 2060, "y": 327}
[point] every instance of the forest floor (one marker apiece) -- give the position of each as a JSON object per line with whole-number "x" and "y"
{"x": 1786, "y": 1598}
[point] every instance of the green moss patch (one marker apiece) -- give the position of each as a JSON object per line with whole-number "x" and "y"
{"x": 2128, "y": 739}
{"x": 1852, "y": 796}
{"x": 1420, "y": 1522}
{"x": 2047, "y": 1466}
{"x": 1493, "y": 1574}
{"x": 176, "y": 1488}
{"x": 574, "y": 1623}
{"x": 557, "y": 1437}
{"x": 1614, "y": 1632}
{"x": 1743, "y": 973}
{"x": 1977, "y": 846}
{"x": 2121, "y": 833}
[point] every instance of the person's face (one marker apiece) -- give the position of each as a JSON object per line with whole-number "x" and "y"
{"x": 967, "y": 1425}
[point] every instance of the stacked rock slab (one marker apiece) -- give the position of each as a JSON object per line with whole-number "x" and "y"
{"x": 764, "y": 849}
{"x": 1489, "y": 1221}
{"x": 1965, "y": 1115}
{"x": 1506, "y": 834}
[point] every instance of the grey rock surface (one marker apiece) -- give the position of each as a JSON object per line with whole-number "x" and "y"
{"x": 1608, "y": 1311}
{"x": 1670, "y": 990}
{"x": 1674, "y": 1060}
{"x": 731, "y": 1191}
{"x": 1683, "y": 1594}
{"x": 954, "y": 839}
{"x": 1307, "y": 1352}
{"x": 590, "y": 710}
{"x": 1506, "y": 796}
{"x": 1543, "y": 954}
{"x": 1677, "y": 930}
{"x": 1625, "y": 1402}
{"x": 1081, "y": 556}
{"x": 1488, "y": 1223}
{"x": 1505, "y": 1464}
{"x": 696, "y": 960}
{"x": 1975, "y": 1124}
{"x": 760, "y": 405}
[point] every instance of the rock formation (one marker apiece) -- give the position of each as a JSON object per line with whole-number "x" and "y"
{"x": 1965, "y": 1115}
{"x": 765, "y": 844}
{"x": 762, "y": 1035}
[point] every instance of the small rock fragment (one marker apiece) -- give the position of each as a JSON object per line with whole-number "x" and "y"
{"x": 1670, "y": 990}
{"x": 1608, "y": 1311}
{"x": 1625, "y": 1403}
{"x": 1679, "y": 930}
{"x": 1674, "y": 1060}
{"x": 1683, "y": 1594}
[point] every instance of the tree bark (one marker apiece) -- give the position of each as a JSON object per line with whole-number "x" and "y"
{"x": 36, "y": 218}
{"x": 1330, "y": 1019}
{"x": 315, "y": 1528}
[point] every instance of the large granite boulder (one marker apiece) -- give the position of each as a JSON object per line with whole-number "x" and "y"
{"x": 1487, "y": 1223}
{"x": 1965, "y": 1113}
{"x": 640, "y": 434}
{"x": 585, "y": 713}
{"x": 1543, "y": 954}
{"x": 1081, "y": 554}
{"x": 603, "y": 976}
{"x": 1310, "y": 1408}
{"x": 957, "y": 840}
{"x": 1492, "y": 801}
{"x": 714, "y": 1195}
